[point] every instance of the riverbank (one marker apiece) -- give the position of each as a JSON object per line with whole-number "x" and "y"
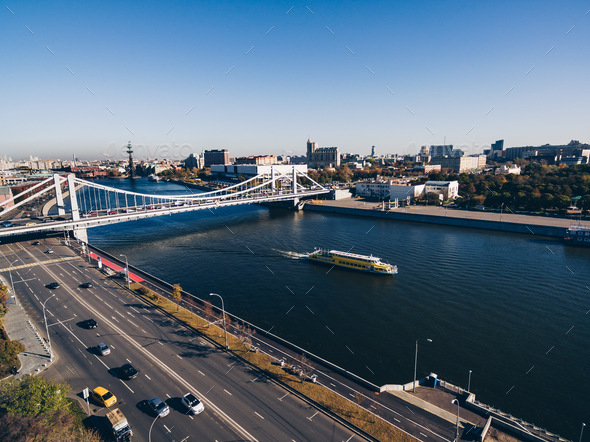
{"x": 505, "y": 222}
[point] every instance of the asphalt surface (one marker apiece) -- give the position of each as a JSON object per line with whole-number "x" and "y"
{"x": 240, "y": 404}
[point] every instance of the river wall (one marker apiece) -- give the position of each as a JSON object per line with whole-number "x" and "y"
{"x": 531, "y": 229}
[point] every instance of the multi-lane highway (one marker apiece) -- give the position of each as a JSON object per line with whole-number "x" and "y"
{"x": 239, "y": 404}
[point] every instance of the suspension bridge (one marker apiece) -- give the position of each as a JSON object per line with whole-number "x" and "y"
{"x": 76, "y": 204}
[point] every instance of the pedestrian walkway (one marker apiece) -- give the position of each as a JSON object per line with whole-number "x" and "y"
{"x": 36, "y": 356}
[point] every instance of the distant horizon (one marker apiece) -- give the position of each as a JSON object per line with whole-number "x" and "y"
{"x": 261, "y": 78}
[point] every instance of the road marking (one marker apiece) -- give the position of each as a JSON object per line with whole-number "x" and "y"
{"x": 133, "y": 323}
{"x": 115, "y": 319}
{"x": 310, "y": 418}
{"x": 423, "y": 434}
{"x": 283, "y": 397}
{"x": 350, "y": 438}
{"x": 258, "y": 415}
{"x": 179, "y": 357}
{"x": 128, "y": 360}
{"x": 168, "y": 395}
{"x": 227, "y": 392}
{"x": 70, "y": 370}
{"x": 167, "y": 429}
{"x": 409, "y": 410}
{"x": 148, "y": 377}
{"x": 254, "y": 380}
{"x": 396, "y": 419}
{"x": 131, "y": 314}
{"x": 119, "y": 313}
{"x": 203, "y": 374}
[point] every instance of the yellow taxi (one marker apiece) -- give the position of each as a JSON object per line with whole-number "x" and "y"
{"x": 104, "y": 396}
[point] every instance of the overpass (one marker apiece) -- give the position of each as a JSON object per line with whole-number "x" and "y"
{"x": 83, "y": 204}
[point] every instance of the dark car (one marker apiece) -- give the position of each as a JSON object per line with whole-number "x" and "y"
{"x": 36, "y": 243}
{"x": 53, "y": 285}
{"x": 128, "y": 371}
{"x": 89, "y": 323}
{"x": 86, "y": 285}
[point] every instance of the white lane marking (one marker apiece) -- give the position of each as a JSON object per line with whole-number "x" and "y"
{"x": 283, "y": 397}
{"x": 134, "y": 309}
{"x": 310, "y": 418}
{"x": 128, "y": 360}
{"x": 348, "y": 440}
{"x": 133, "y": 323}
{"x": 396, "y": 419}
{"x": 70, "y": 369}
{"x": 200, "y": 372}
{"x": 258, "y": 415}
{"x": 168, "y": 395}
{"x": 423, "y": 434}
{"x": 254, "y": 380}
{"x": 179, "y": 357}
{"x": 131, "y": 314}
{"x": 227, "y": 392}
{"x": 119, "y": 313}
{"x": 148, "y": 377}
{"x": 143, "y": 330}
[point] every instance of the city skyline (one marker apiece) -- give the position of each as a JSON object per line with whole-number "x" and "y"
{"x": 83, "y": 79}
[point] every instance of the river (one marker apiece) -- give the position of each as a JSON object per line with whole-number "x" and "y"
{"x": 501, "y": 305}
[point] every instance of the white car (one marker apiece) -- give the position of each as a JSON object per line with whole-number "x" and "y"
{"x": 193, "y": 405}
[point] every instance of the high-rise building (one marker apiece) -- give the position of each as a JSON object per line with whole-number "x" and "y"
{"x": 217, "y": 156}
{"x": 441, "y": 151}
{"x": 322, "y": 156}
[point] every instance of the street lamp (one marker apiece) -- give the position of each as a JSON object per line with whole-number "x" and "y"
{"x": 455, "y": 401}
{"x": 416, "y": 363}
{"x": 126, "y": 269}
{"x": 223, "y": 313}
{"x": 47, "y": 328}
{"x": 469, "y": 382}
{"x": 582, "y": 431}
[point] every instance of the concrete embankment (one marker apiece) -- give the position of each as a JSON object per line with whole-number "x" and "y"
{"x": 506, "y": 222}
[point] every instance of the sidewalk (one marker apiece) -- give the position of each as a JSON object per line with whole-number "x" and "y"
{"x": 36, "y": 356}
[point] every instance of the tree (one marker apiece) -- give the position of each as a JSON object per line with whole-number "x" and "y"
{"x": 177, "y": 294}
{"x": 208, "y": 312}
{"x": 33, "y": 396}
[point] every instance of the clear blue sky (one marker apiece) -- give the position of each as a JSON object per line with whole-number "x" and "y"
{"x": 325, "y": 70}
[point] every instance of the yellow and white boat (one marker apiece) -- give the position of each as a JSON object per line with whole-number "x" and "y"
{"x": 352, "y": 261}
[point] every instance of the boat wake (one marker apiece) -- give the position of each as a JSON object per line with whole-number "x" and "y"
{"x": 290, "y": 255}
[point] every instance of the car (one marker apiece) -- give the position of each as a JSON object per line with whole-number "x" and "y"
{"x": 112, "y": 212}
{"x": 103, "y": 396}
{"x": 53, "y": 285}
{"x": 36, "y": 243}
{"x": 30, "y": 224}
{"x": 158, "y": 407}
{"x": 49, "y": 252}
{"x": 86, "y": 285}
{"x": 89, "y": 323}
{"x": 7, "y": 224}
{"x": 128, "y": 371}
{"x": 103, "y": 349}
{"x": 194, "y": 405}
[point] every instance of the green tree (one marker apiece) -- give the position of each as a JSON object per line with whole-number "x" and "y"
{"x": 33, "y": 396}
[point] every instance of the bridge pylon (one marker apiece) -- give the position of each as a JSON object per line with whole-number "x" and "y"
{"x": 78, "y": 232}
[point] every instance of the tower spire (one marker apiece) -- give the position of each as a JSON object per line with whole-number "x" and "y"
{"x": 130, "y": 152}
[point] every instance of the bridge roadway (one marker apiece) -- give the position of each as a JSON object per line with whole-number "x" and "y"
{"x": 183, "y": 203}
{"x": 239, "y": 404}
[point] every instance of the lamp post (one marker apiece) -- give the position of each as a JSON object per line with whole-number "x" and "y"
{"x": 582, "y": 431}
{"x": 126, "y": 269}
{"x": 469, "y": 382}
{"x": 223, "y": 313}
{"x": 47, "y": 328}
{"x": 416, "y": 363}
{"x": 455, "y": 401}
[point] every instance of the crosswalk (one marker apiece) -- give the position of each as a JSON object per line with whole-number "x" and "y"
{"x": 33, "y": 264}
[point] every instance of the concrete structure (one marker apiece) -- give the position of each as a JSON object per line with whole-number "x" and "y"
{"x": 552, "y": 154}
{"x": 217, "y": 156}
{"x": 322, "y": 156}
{"x": 389, "y": 190}
{"x": 6, "y": 195}
{"x": 461, "y": 164}
{"x": 448, "y": 189}
{"x": 235, "y": 170}
{"x": 427, "y": 168}
{"x": 441, "y": 151}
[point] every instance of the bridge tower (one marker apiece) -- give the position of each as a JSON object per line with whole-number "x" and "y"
{"x": 130, "y": 152}
{"x": 79, "y": 233}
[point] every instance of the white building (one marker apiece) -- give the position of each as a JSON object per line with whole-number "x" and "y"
{"x": 448, "y": 189}
{"x": 504, "y": 169}
{"x": 388, "y": 190}
{"x": 257, "y": 169}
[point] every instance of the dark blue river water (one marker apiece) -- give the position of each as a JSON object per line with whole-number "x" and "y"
{"x": 501, "y": 305}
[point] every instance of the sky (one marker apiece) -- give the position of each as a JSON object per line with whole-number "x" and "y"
{"x": 256, "y": 77}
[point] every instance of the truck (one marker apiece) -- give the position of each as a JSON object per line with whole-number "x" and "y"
{"x": 121, "y": 429}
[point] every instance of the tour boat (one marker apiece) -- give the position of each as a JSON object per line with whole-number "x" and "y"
{"x": 352, "y": 261}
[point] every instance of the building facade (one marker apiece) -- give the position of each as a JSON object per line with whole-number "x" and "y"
{"x": 462, "y": 164}
{"x": 389, "y": 191}
{"x": 448, "y": 189}
{"x": 216, "y": 156}
{"x": 322, "y": 156}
